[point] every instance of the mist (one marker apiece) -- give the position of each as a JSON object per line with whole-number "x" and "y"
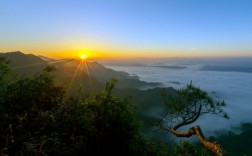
{"x": 226, "y": 80}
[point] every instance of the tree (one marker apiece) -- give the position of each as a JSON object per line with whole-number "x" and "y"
{"x": 114, "y": 123}
{"x": 26, "y": 107}
{"x": 187, "y": 105}
{"x": 4, "y": 70}
{"x": 238, "y": 142}
{"x": 36, "y": 118}
{"x": 187, "y": 149}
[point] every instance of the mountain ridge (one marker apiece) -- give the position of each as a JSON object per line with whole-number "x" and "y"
{"x": 88, "y": 73}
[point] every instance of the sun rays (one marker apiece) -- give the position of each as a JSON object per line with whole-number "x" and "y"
{"x": 72, "y": 73}
{"x": 37, "y": 64}
{"x": 81, "y": 76}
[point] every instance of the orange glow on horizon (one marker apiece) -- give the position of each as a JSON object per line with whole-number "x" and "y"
{"x": 109, "y": 55}
{"x": 128, "y": 54}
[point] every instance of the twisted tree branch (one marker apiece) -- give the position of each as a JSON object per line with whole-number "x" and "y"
{"x": 212, "y": 146}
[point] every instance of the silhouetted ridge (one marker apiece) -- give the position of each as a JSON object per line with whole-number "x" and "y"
{"x": 24, "y": 63}
{"x": 21, "y": 57}
{"x": 92, "y": 76}
{"x": 45, "y": 58}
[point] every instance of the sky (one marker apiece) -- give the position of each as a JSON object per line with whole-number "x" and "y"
{"x": 127, "y": 28}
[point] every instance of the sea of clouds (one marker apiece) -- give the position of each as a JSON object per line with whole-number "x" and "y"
{"x": 235, "y": 87}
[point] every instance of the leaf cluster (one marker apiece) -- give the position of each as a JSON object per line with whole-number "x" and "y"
{"x": 186, "y": 105}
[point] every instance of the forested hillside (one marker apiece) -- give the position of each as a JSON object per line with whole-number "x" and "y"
{"x": 73, "y": 73}
{"x": 41, "y": 115}
{"x": 38, "y": 119}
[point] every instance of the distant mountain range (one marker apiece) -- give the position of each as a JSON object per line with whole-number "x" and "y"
{"x": 45, "y": 58}
{"x": 24, "y": 63}
{"x": 92, "y": 76}
{"x": 227, "y": 68}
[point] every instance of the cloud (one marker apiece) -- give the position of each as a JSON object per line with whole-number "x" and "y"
{"x": 233, "y": 87}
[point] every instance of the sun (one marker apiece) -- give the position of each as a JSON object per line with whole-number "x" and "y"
{"x": 83, "y": 57}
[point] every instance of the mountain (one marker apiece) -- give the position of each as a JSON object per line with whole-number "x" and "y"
{"x": 24, "y": 63}
{"x": 19, "y": 59}
{"x": 45, "y": 58}
{"x": 149, "y": 104}
{"x": 91, "y": 76}
{"x": 227, "y": 68}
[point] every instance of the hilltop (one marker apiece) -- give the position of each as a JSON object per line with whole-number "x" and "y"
{"x": 90, "y": 74}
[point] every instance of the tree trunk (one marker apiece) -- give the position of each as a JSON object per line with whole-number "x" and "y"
{"x": 212, "y": 146}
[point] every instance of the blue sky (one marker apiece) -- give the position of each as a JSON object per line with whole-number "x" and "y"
{"x": 144, "y": 27}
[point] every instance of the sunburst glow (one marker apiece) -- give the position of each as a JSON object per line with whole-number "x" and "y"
{"x": 83, "y": 56}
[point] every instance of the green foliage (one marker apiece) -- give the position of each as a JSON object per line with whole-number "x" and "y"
{"x": 105, "y": 122}
{"x": 187, "y": 149}
{"x": 145, "y": 101}
{"x": 186, "y": 105}
{"x": 4, "y": 70}
{"x": 37, "y": 119}
{"x": 236, "y": 143}
{"x": 26, "y": 110}
{"x": 149, "y": 147}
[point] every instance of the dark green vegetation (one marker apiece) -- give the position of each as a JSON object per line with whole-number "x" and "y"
{"x": 41, "y": 115}
{"x": 72, "y": 73}
{"x": 38, "y": 119}
{"x": 238, "y": 143}
{"x": 149, "y": 104}
{"x": 184, "y": 107}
